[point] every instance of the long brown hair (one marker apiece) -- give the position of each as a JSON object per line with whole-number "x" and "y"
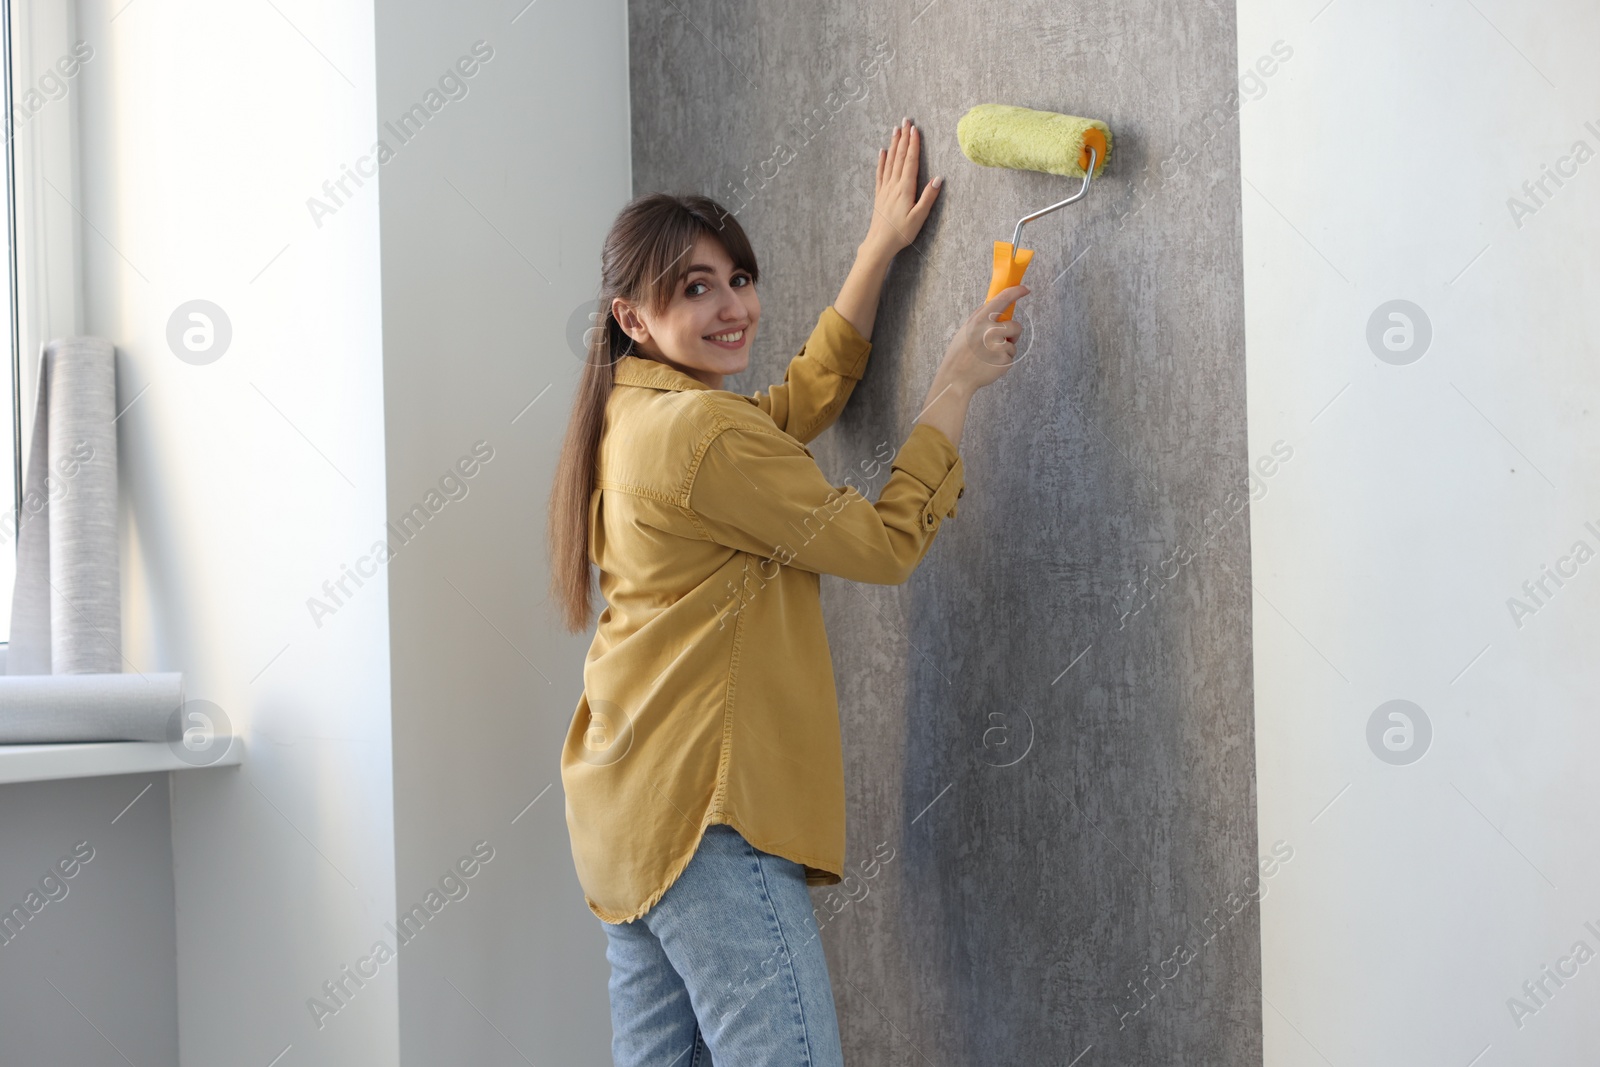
{"x": 641, "y": 262}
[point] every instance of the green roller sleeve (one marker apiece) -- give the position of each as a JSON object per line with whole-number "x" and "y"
{"x": 1002, "y": 135}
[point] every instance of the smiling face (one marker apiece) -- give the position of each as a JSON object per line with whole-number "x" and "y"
{"x": 706, "y": 328}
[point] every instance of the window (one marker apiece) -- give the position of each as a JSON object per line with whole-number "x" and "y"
{"x": 43, "y": 57}
{"x": 10, "y": 420}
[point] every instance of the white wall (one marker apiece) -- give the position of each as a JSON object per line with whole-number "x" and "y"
{"x": 247, "y": 482}
{"x": 492, "y": 221}
{"x": 86, "y": 897}
{"x": 1378, "y": 161}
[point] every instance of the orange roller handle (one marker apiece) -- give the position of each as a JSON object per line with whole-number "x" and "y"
{"x": 1009, "y": 266}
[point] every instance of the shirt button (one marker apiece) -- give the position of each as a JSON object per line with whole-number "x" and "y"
{"x": 929, "y": 520}
{"x": 960, "y": 492}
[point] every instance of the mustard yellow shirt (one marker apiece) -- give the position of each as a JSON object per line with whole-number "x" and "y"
{"x": 708, "y": 692}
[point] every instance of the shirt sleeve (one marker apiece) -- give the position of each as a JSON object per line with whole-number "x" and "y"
{"x": 819, "y": 379}
{"x": 763, "y": 493}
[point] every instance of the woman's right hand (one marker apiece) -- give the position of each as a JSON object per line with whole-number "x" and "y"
{"x": 980, "y": 353}
{"x": 983, "y": 348}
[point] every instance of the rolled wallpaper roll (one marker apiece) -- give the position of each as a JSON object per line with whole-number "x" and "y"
{"x": 66, "y": 613}
{"x": 39, "y": 709}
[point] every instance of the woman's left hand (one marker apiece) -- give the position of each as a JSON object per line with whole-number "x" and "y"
{"x": 897, "y": 211}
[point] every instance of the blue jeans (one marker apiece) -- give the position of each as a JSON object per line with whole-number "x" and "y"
{"x": 725, "y": 969}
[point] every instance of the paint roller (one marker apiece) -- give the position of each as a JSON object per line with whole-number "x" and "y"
{"x": 1000, "y": 135}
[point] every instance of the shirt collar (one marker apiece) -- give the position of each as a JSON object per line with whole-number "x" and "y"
{"x": 653, "y": 374}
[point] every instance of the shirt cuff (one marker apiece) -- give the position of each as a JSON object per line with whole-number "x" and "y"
{"x": 838, "y": 346}
{"x": 932, "y": 459}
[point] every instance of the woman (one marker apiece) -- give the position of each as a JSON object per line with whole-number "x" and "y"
{"x": 703, "y": 773}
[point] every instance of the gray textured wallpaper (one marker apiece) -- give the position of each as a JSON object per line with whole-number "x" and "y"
{"x": 1048, "y": 729}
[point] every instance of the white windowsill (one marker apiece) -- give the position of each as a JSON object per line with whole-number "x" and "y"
{"x": 89, "y": 759}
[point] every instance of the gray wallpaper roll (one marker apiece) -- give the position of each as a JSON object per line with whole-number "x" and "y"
{"x": 39, "y": 709}
{"x": 66, "y": 613}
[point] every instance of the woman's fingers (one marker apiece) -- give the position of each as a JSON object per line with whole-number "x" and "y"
{"x": 900, "y": 162}
{"x": 1007, "y": 332}
{"x": 900, "y": 149}
{"x": 998, "y": 303}
{"x": 909, "y": 160}
{"x": 998, "y": 352}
